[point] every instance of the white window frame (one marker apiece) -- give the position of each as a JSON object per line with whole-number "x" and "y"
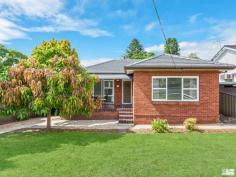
{"x": 182, "y": 88}
{"x": 103, "y": 88}
{"x": 113, "y": 100}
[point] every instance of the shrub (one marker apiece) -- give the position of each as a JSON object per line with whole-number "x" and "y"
{"x": 190, "y": 123}
{"x": 160, "y": 125}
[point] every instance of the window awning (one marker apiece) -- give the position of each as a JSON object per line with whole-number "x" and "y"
{"x": 114, "y": 76}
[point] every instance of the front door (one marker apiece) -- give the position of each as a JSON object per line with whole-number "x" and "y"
{"x": 127, "y": 92}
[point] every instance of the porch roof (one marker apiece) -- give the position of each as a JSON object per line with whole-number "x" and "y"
{"x": 114, "y": 76}
{"x": 110, "y": 67}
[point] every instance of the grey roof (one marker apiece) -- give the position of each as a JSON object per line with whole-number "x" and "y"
{"x": 230, "y": 46}
{"x": 112, "y": 66}
{"x": 165, "y": 61}
{"x": 114, "y": 76}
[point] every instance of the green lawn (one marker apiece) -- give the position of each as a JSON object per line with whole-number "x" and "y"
{"x": 62, "y": 154}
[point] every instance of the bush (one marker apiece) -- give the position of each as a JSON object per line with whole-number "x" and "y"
{"x": 160, "y": 125}
{"x": 190, "y": 123}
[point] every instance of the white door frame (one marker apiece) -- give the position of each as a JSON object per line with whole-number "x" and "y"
{"x": 131, "y": 86}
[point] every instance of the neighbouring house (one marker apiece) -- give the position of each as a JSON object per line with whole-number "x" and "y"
{"x": 227, "y": 79}
{"x": 227, "y": 54}
{"x": 167, "y": 87}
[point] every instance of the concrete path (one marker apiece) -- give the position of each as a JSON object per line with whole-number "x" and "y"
{"x": 59, "y": 123}
{"x": 85, "y": 124}
{"x": 99, "y": 125}
{"x": 9, "y": 127}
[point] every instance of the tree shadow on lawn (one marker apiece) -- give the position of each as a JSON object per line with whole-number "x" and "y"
{"x": 15, "y": 144}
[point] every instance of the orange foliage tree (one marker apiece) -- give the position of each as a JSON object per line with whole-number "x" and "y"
{"x": 59, "y": 83}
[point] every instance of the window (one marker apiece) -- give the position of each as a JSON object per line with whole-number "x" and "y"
{"x": 175, "y": 88}
{"x": 104, "y": 89}
{"x": 108, "y": 91}
{"x": 98, "y": 89}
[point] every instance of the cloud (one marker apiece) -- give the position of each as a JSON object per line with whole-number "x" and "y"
{"x": 123, "y": 13}
{"x": 84, "y": 26}
{"x": 150, "y": 26}
{"x": 32, "y": 8}
{"x": 80, "y": 6}
{"x": 89, "y": 62}
{"x": 155, "y": 48}
{"x": 193, "y": 18}
{"x": 50, "y": 12}
{"x": 9, "y": 30}
{"x": 204, "y": 49}
{"x": 221, "y": 33}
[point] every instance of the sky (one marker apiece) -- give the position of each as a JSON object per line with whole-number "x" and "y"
{"x": 101, "y": 30}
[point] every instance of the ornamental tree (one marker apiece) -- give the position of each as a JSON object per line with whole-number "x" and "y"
{"x": 49, "y": 49}
{"x": 61, "y": 84}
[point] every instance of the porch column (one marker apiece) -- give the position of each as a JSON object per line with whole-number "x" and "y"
{"x": 118, "y": 92}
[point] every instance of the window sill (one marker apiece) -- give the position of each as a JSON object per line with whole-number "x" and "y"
{"x": 177, "y": 102}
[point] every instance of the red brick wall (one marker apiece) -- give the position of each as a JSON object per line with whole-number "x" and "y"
{"x": 206, "y": 110}
{"x": 118, "y": 92}
{"x": 101, "y": 115}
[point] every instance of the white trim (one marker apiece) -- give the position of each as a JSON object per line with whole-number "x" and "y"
{"x": 221, "y": 52}
{"x": 182, "y": 89}
{"x": 131, "y": 98}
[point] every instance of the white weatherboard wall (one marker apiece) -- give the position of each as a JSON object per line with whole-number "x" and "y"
{"x": 227, "y": 56}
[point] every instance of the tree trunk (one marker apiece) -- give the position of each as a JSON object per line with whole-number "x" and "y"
{"x": 49, "y": 121}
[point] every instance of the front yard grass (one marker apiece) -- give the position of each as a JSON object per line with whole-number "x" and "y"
{"x": 71, "y": 154}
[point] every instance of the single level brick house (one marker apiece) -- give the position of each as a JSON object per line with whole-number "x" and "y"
{"x": 167, "y": 87}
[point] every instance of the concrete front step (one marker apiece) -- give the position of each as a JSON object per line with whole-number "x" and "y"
{"x": 126, "y": 116}
{"x": 125, "y": 109}
{"x": 126, "y": 121}
{"x": 125, "y": 112}
{"x": 130, "y": 113}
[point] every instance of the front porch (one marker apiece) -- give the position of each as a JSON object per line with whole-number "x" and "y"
{"x": 117, "y": 98}
{"x": 114, "y": 93}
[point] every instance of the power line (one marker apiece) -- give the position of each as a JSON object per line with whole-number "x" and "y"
{"x": 162, "y": 29}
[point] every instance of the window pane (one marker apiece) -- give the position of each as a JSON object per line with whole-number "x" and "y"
{"x": 190, "y": 94}
{"x": 107, "y": 91}
{"x": 108, "y": 99}
{"x": 174, "y": 88}
{"x": 97, "y": 89}
{"x": 159, "y": 94}
{"x": 108, "y": 83}
{"x": 159, "y": 83}
{"x": 190, "y": 83}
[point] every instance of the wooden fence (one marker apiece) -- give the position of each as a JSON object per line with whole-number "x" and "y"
{"x": 228, "y": 104}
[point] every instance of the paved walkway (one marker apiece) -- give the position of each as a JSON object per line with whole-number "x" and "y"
{"x": 9, "y": 127}
{"x": 37, "y": 123}
{"x": 100, "y": 125}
